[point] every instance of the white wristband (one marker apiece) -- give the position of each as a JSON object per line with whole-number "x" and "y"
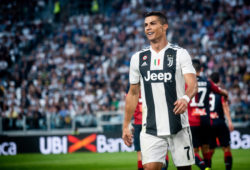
{"x": 186, "y": 98}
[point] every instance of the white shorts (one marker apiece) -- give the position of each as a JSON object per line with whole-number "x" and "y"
{"x": 154, "y": 148}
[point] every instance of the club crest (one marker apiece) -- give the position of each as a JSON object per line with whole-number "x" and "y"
{"x": 170, "y": 60}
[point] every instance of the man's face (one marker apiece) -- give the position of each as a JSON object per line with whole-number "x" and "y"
{"x": 153, "y": 28}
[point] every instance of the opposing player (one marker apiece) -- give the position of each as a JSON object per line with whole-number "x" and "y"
{"x": 161, "y": 72}
{"x": 199, "y": 116}
{"x": 137, "y": 129}
{"x": 218, "y": 108}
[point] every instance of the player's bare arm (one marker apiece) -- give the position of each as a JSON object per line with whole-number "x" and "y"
{"x": 192, "y": 88}
{"x": 227, "y": 114}
{"x": 131, "y": 103}
{"x": 224, "y": 93}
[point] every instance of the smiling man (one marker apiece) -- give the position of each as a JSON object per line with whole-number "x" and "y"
{"x": 161, "y": 71}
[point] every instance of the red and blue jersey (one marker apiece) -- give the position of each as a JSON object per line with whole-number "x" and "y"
{"x": 138, "y": 113}
{"x": 198, "y": 108}
{"x": 216, "y": 108}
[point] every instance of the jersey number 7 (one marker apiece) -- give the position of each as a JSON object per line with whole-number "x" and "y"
{"x": 202, "y": 93}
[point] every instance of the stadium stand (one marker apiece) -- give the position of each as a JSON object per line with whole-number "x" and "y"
{"x": 57, "y": 72}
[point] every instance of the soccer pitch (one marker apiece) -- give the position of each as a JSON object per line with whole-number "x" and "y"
{"x": 105, "y": 161}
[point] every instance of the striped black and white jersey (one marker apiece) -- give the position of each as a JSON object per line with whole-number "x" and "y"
{"x": 161, "y": 77}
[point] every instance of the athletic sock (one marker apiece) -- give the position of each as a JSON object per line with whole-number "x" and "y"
{"x": 207, "y": 159}
{"x": 211, "y": 155}
{"x": 199, "y": 162}
{"x": 139, "y": 164}
{"x": 166, "y": 161}
{"x": 228, "y": 160}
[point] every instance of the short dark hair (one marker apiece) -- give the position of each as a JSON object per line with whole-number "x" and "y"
{"x": 196, "y": 64}
{"x": 215, "y": 77}
{"x": 160, "y": 15}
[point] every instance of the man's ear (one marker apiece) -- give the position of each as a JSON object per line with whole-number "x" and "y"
{"x": 165, "y": 26}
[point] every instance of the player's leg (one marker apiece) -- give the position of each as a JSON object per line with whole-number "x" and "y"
{"x": 206, "y": 154}
{"x": 139, "y": 162}
{"x": 153, "y": 151}
{"x": 198, "y": 160}
{"x": 137, "y": 130}
{"x": 181, "y": 148}
{"x": 211, "y": 150}
{"x": 228, "y": 158}
{"x": 205, "y": 140}
{"x": 196, "y": 144}
{"x": 166, "y": 163}
{"x": 153, "y": 166}
{"x": 224, "y": 138}
{"x": 213, "y": 142}
{"x": 212, "y": 153}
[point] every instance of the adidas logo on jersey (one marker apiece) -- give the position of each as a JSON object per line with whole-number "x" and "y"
{"x": 158, "y": 77}
{"x": 144, "y": 64}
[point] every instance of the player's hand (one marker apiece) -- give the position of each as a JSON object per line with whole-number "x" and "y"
{"x": 127, "y": 136}
{"x": 180, "y": 106}
{"x": 230, "y": 126}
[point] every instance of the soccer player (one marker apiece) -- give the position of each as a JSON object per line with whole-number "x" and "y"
{"x": 161, "y": 72}
{"x": 218, "y": 108}
{"x": 199, "y": 116}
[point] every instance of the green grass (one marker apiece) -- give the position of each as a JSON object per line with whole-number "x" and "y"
{"x": 104, "y": 161}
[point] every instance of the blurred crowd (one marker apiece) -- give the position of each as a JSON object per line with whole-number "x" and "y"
{"x": 67, "y": 71}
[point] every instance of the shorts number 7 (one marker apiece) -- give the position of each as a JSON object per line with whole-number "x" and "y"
{"x": 188, "y": 148}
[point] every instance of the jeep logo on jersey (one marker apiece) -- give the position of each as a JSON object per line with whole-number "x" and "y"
{"x": 158, "y": 76}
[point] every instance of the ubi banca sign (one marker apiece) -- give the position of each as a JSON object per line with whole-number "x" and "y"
{"x": 94, "y": 143}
